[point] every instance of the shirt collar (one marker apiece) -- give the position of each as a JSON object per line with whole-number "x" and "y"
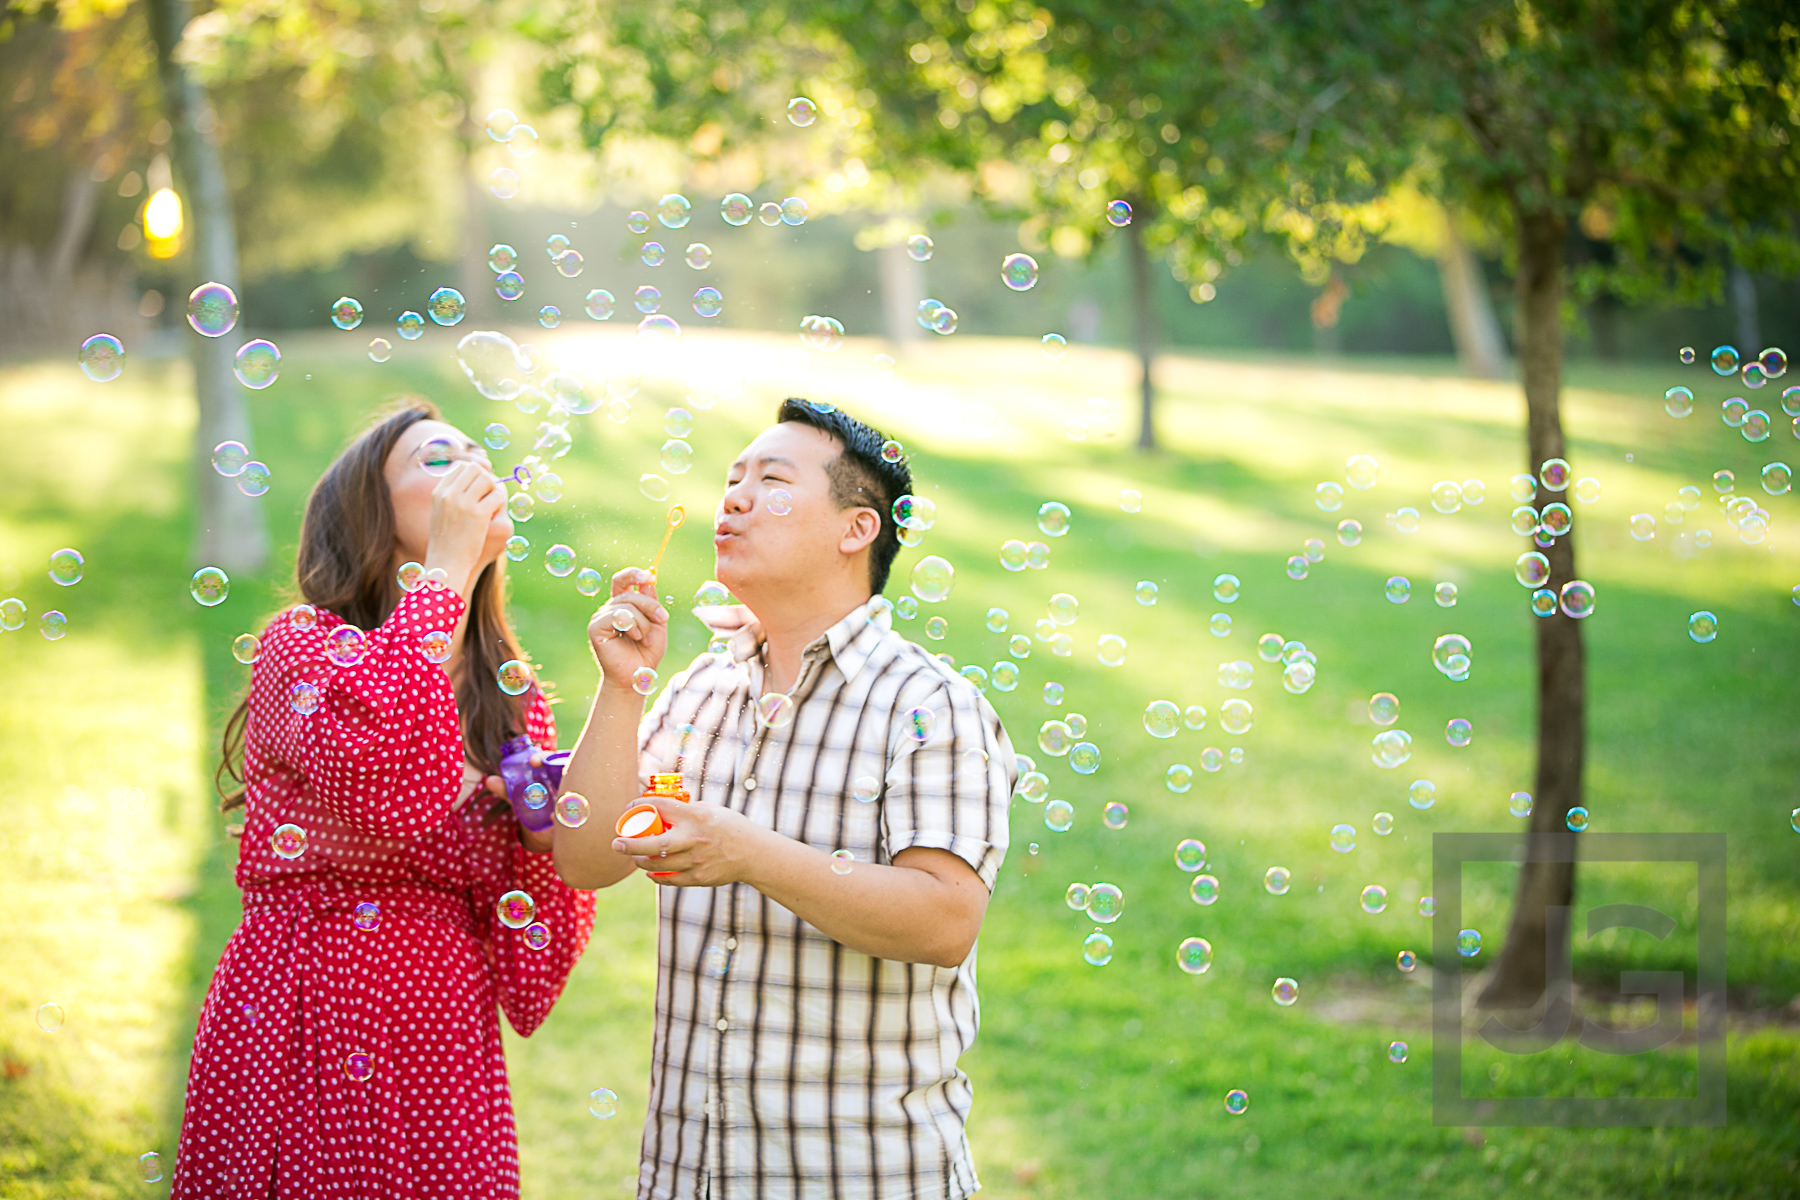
{"x": 851, "y": 642}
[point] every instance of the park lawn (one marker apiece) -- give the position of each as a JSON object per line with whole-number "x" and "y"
{"x": 1089, "y": 1079}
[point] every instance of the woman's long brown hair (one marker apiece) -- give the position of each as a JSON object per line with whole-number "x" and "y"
{"x": 346, "y": 567}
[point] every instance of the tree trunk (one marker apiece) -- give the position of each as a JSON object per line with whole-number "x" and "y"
{"x": 1749, "y": 326}
{"x": 473, "y": 279}
{"x": 1474, "y": 329}
{"x": 1145, "y": 325}
{"x": 902, "y": 287}
{"x": 1519, "y": 976}
{"x": 228, "y": 525}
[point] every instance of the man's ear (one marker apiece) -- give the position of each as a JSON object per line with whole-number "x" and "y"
{"x": 861, "y": 527}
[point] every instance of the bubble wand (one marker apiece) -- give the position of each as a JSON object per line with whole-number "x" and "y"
{"x": 676, "y": 515}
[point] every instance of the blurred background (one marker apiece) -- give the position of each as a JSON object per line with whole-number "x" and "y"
{"x": 1459, "y": 238}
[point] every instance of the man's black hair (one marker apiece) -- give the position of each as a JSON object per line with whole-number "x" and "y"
{"x": 860, "y": 476}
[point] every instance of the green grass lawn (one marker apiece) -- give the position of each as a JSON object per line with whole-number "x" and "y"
{"x": 1090, "y": 1080}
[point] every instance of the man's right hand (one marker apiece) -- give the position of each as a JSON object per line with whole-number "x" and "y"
{"x": 644, "y": 638}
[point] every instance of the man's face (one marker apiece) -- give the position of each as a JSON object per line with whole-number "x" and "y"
{"x": 777, "y": 531}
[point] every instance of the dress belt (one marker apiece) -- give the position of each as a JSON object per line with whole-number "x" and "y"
{"x": 304, "y": 904}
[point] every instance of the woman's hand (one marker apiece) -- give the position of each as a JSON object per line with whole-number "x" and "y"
{"x": 463, "y": 505}
{"x": 644, "y": 637}
{"x": 539, "y": 841}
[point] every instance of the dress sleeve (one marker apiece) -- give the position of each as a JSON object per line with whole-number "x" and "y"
{"x": 527, "y": 980}
{"x": 952, "y": 791}
{"x": 378, "y": 741}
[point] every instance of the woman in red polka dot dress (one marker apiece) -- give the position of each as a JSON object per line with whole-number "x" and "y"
{"x": 349, "y": 1045}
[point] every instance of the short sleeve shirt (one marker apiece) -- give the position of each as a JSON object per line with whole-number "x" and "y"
{"x": 785, "y": 1064}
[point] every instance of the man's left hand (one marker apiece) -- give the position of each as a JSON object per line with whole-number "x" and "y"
{"x": 703, "y": 846}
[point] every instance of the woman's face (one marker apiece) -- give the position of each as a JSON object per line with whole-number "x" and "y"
{"x": 425, "y": 453}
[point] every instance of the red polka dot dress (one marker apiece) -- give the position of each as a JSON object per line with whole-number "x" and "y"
{"x": 350, "y": 1043}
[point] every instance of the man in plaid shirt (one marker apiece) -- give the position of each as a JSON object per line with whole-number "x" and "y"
{"x": 823, "y": 892}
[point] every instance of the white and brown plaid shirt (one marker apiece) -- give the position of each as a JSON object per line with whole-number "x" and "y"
{"x": 785, "y": 1064}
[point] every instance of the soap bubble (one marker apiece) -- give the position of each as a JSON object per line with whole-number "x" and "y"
{"x": 1678, "y": 402}
{"x": 1361, "y": 471}
{"x": 1190, "y": 854}
{"x": 1115, "y": 814}
{"x": 1725, "y": 360}
{"x": 246, "y": 648}
{"x": 1703, "y": 626}
{"x": 501, "y": 258}
{"x": 1162, "y": 719}
{"x": 647, "y": 298}
{"x": 446, "y": 306}
{"x": 1296, "y": 567}
{"x": 674, "y": 210}
{"x": 1777, "y": 479}
{"x": 1421, "y": 794}
{"x": 735, "y": 209}
{"x": 53, "y": 625}
{"x": 1053, "y": 737}
{"x": 1118, "y": 213}
{"x": 1577, "y": 599}
{"x": 653, "y": 487}
{"x": 1053, "y": 519}
{"x": 793, "y": 212}
{"x": 1349, "y": 533}
{"x": 1097, "y": 949}
{"x": 67, "y": 567}
{"x": 514, "y": 677}
{"x": 559, "y": 560}
{"x": 435, "y": 647}
{"x": 1554, "y": 475}
{"x": 1054, "y": 345}
{"x": 509, "y": 285}
{"x": 515, "y": 909}
{"x": 569, "y": 264}
{"x": 1329, "y": 496}
{"x": 781, "y": 502}
{"x": 677, "y": 456}
{"x": 504, "y": 183}
{"x": 101, "y": 357}
{"x": 209, "y": 586}
{"x": 776, "y": 710}
{"x": 1458, "y": 731}
{"x": 603, "y": 1104}
{"x": 1019, "y": 272}
{"x": 1179, "y": 778}
{"x": 1276, "y": 880}
{"x": 1577, "y": 819}
{"x": 1236, "y": 1101}
{"x": 1406, "y": 960}
{"x": 1226, "y": 589}
{"x": 1284, "y": 992}
{"x": 12, "y": 614}
{"x": 1204, "y": 890}
{"x": 549, "y": 316}
{"x": 1059, "y": 815}
{"x": 1382, "y": 823}
{"x": 212, "y": 310}
{"x": 1532, "y": 569}
{"x": 1445, "y": 595}
{"x": 1194, "y": 955}
{"x": 492, "y": 362}
{"x": 1390, "y": 748}
{"x": 1105, "y": 903}
{"x": 1343, "y": 838}
{"x": 1396, "y": 1052}
{"x": 1111, "y": 650}
{"x": 1398, "y": 589}
{"x": 1427, "y": 906}
{"x": 346, "y": 645}
{"x": 257, "y": 364}
{"x": 1374, "y": 899}
{"x": 1235, "y": 715}
{"x": 1452, "y": 654}
{"x": 288, "y": 841}
{"x": 708, "y": 302}
{"x": 1468, "y": 942}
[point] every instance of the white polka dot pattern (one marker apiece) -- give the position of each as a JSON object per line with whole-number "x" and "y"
{"x": 276, "y": 1102}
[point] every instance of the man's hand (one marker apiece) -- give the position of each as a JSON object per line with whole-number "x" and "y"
{"x": 704, "y": 846}
{"x": 631, "y": 630}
